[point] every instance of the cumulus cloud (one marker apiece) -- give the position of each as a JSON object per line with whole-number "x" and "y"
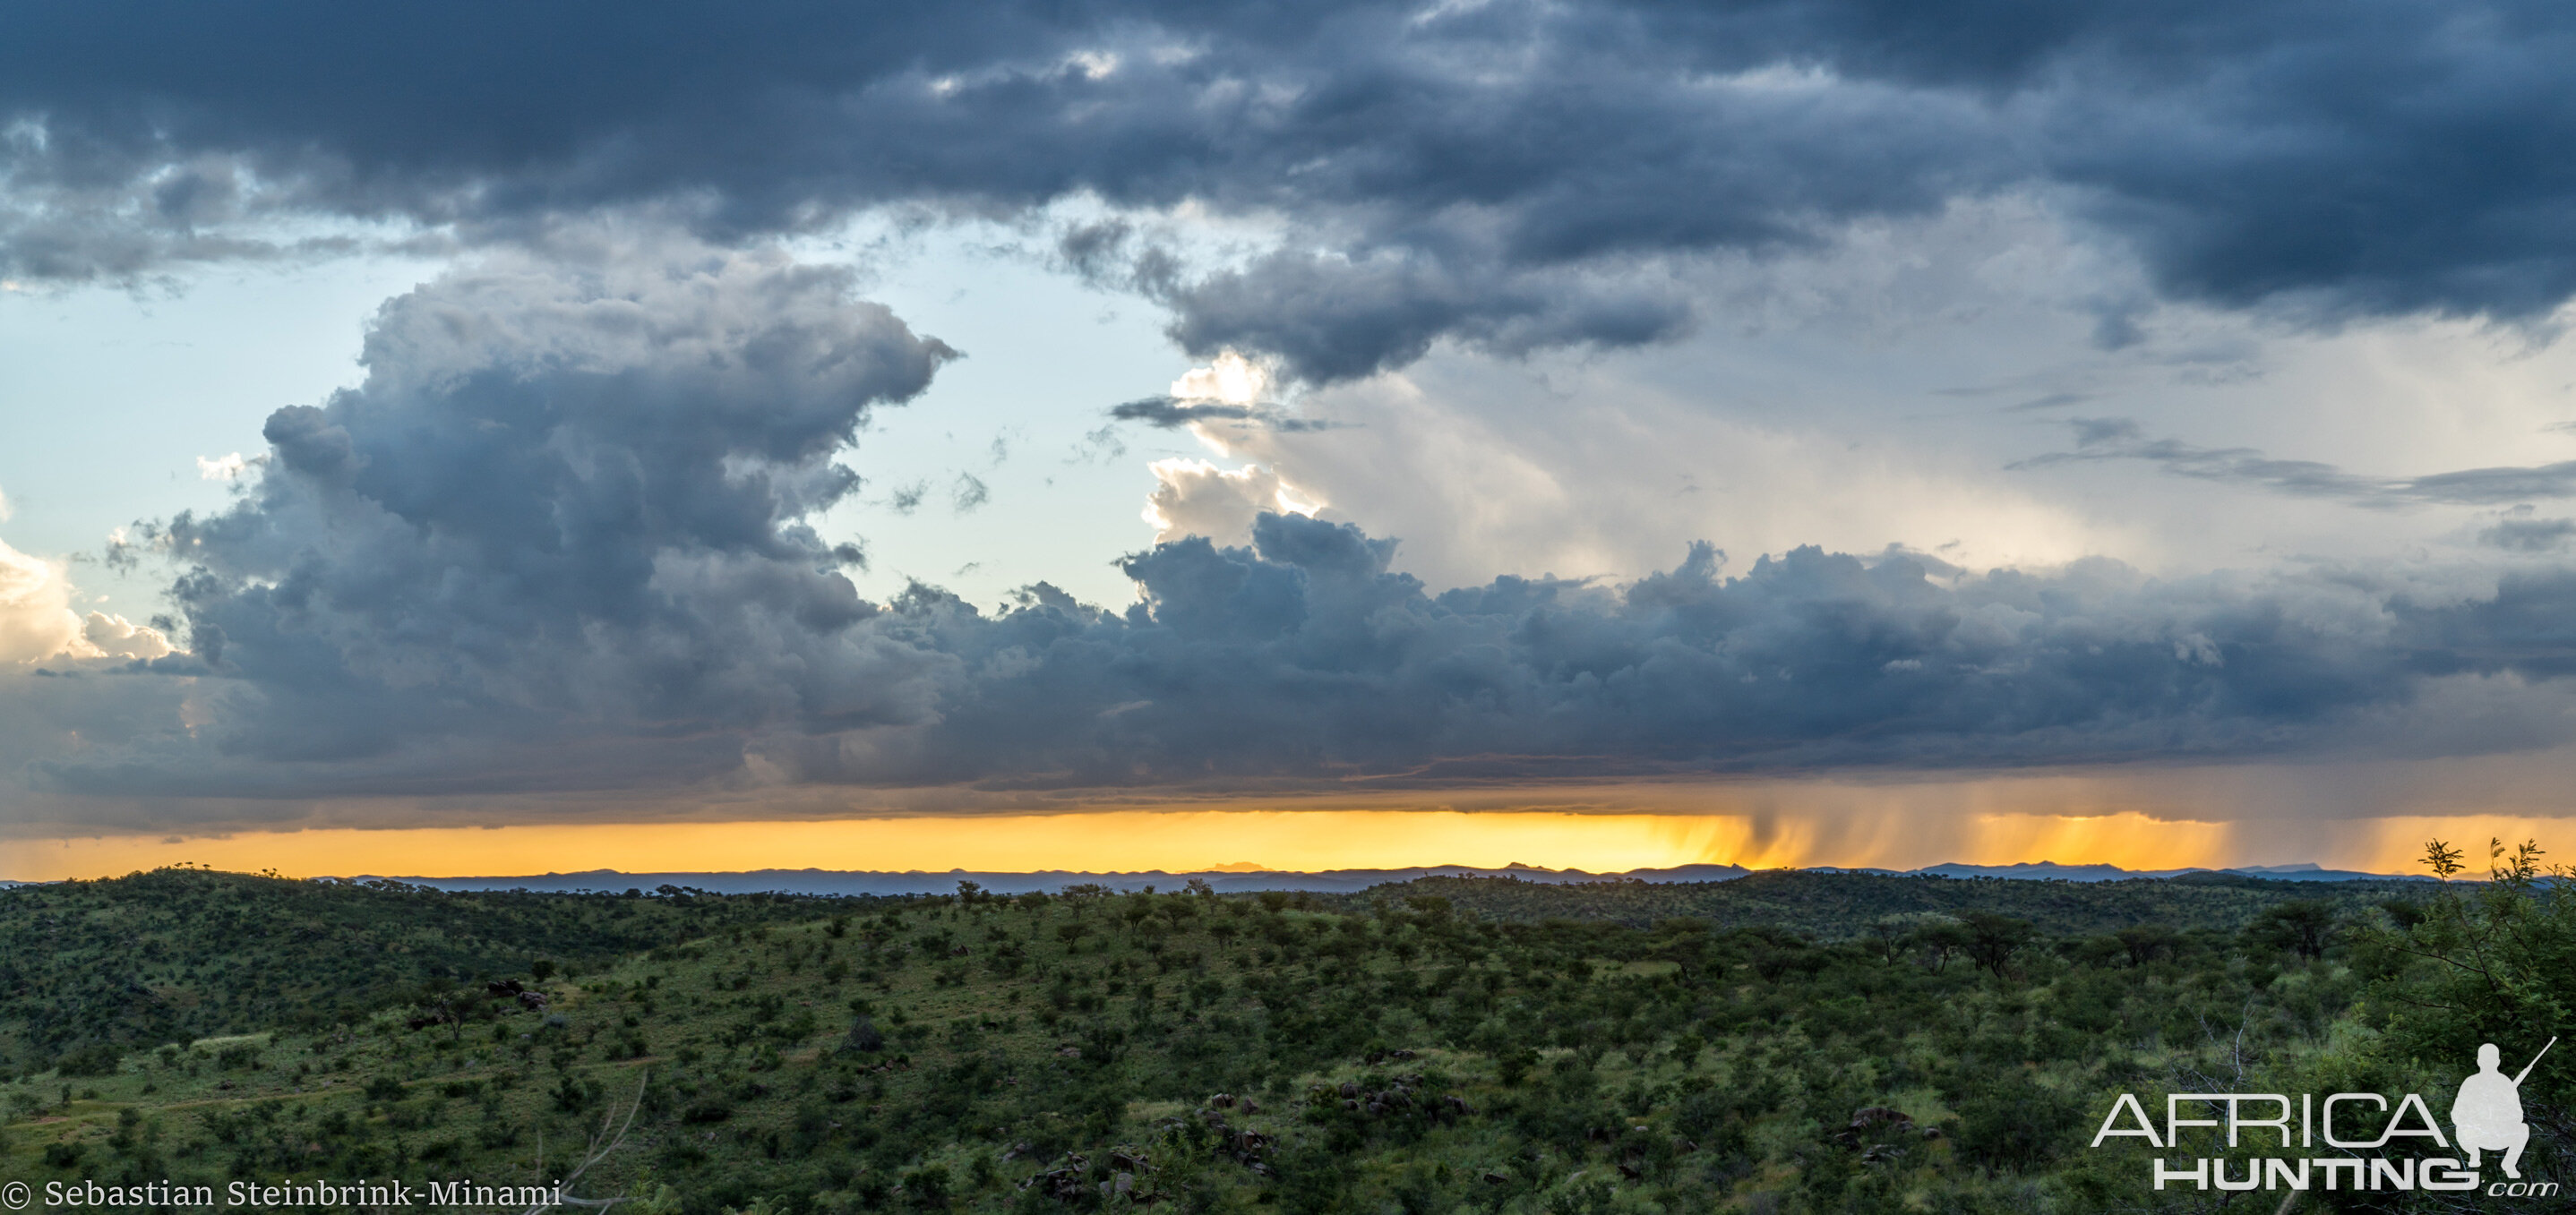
{"x": 569, "y": 496}
{"x": 564, "y": 536}
{"x": 1511, "y": 176}
{"x": 1196, "y": 498}
{"x": 36, "y": 618}
{"x": 223, "y": 468}
{"x": 110, "y": 636}
{"x": 1303, "y": 657}
{"x": 639, "y": 619}
{"x": 1230, "y": 380}
{"x": 38, "y": 622}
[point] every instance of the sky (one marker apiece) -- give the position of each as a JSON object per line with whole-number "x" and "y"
{"x": 1152, "y": 435}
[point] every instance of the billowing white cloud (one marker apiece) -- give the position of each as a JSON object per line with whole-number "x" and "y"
{"x": 1930, "y": 385}
{"x": 1230, "y": 379}
{"x": 1484, "y": 471}
{"x": 226, "y": 468}
{"x": 37, "y": 621}
{"x": 1196, "y": 498}
{"x": 112, "y": 636}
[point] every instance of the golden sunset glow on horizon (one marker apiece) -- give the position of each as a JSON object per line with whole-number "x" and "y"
{"x": 1294, "y": 840}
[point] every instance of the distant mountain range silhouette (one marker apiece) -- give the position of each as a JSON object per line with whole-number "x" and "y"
{"x": 1235, "y": 879}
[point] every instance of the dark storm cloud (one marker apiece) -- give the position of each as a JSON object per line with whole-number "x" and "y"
{"x": 1514, "y": 175}
{"x": 565, "y": 508}
{"x": 1173, "y": 413}
{"x": 559, "y": 539}
{"x": 1305, "y": 657}
{"x": 2100, "y": 439}
{"x": 1302, "y": 659}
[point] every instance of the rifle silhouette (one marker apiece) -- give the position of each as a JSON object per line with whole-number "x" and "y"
{"x": 2535, "y": 1062}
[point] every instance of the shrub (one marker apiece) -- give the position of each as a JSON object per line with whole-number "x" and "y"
{"x": 2013, "y": 1124}
{"x": 864, "y": 1037}
{"x": 95, "y": 1059}
{"x": 927, "y": 1188}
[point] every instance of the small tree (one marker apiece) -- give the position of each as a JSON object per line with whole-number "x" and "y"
{"x": 2304, "y": 927}
{"x": 1942, "y": 939}
{"x": 2146, "y": 942}
{"x": 1890, "y": 938}
{"x": 1993, "y": 939}
{"x": 1139, "y": 909}
{"x": 2491, "y": 962}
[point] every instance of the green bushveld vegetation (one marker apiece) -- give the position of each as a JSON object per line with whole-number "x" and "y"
{"x": 1804, "y": 1042}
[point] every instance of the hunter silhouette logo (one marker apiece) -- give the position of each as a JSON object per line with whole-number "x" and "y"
{"x": 2487, "y": 1115}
